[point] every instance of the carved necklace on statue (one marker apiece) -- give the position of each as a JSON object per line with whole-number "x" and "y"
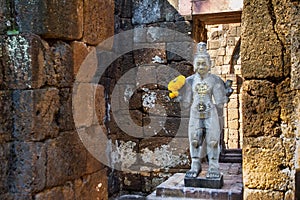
{"x": 202, "y": 89}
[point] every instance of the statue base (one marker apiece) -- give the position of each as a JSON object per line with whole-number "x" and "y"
{"x": 203, "y": 182}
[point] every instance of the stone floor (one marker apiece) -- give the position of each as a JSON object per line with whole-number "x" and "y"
{"x": 174, "y": 188}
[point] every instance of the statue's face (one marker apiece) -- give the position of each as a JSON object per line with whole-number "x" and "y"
{"x": 201, "y": 66}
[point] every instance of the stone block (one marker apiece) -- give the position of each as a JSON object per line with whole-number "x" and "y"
{"x": 238, "y": 31}
{"x": 140, "y": 34}
{"x": 163, "y": 127}
{"x": 59, "y": 65}
{"x": 61, "y": 192}
{"x": 66, "y": 159}
{"x": 93, "y": 186}
{"x": 65, "y": 118}
{"x": 216, "y": 70}
{"x": 265, "y": 164}
{"x": 164, "y": 152}
{"x": 214, "y": 44}
{"x": 27, "y": 170}
{"x": 262, "y": 48}
{"x": 84, "y": 104}
{"x": 145, "y": 12}
{"x": 250, "y": 194}
{"x": 230, "y": 49}
{"x": 145, "y": 53}
{"x": 99, "y": 103}
{"x": 35, "y": 114}
{"x": 130, "y": 122}
{"x": 61, "y": 19}
{"x": 4, "y": 166}
{"x": 163, "y": 32}
{"x": 123, "y": 8}
{"x": 184, "y": 27}
{"x": 22, "y": 62}
{"x": 174, "y": 188}
{"x": 284, "y": 97}
{"x": 131, "y": 181}
{"x": 79, "y": 51}
{"x": 227, "y": 60}
{"x": 233, "y": 114}
{"x": 226, "y": 69}
{"x": 232, "y": 31}
{"x": 260, "y": 102}
{"x": 221, "y": 51}
{"x": 4, "y": 12}
{"x": 6, "y": 117}
{"x": 219, "y": 61}
{"x": 237, "y": 69}
{"x": 98, "y": 23}
{"x": 178, "y": 51}
{"x": 234, "y": 124}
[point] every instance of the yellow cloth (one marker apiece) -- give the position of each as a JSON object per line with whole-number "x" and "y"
{"x": 175, "y": 85}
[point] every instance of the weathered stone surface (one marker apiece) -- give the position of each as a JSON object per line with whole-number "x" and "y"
{"x": 174, "y": 53}
{"x": 61, "y": 19}
{"x": 66, "y": 159}
{"x": 250, "y": 194}
{"x": 98, "y": 21}
{"x": 4, "y": 166}
{"x": 145, "y": 55}
{"x": 295, "y": 53}
{"x": 35, "y": 114}
{"x": 6, "y": 117}
{"x": 59, "y": 67}
{"x": 131, "y": 181}
{"x": 100, "y": 110}
{"x": 145, "y": 12}
{"x": 62, "y": 192}
{"x": 80, "y": 51}
{"x": 65, "y": 113}
{"x": 164, "y": 152}
{"x": 284, "y": 97}
{"x": 28, "y": 167}
{"x": 92, "y": 186}
{"x": 4, "y": 16}
{"x": 265, "y": 164}
{"x": 84, "y": 104}
{"x": 262, "y": 50}
{"x": 22, "y": 62}
{"x": 123, "y": 8}
{"x": 261, "y": 108}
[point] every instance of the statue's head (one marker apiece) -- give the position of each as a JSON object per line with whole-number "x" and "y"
{"x": 202, "y": 61}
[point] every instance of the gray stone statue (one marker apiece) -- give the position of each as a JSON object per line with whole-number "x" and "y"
{"x": 205, "y": 94}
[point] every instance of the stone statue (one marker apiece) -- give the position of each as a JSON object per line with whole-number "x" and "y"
{"x": 205, "y": 94}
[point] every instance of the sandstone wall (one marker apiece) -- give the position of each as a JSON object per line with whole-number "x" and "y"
{"x": 42, "y": 46}
{"x": 270, "y": 96}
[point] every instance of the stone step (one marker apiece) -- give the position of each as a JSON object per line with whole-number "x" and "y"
{"x": 174, "y": 187}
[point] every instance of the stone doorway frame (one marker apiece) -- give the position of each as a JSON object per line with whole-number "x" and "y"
{"x": 199, "y": 34}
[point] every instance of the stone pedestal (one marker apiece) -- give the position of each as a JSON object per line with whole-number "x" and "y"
{"x": 174, "y": 188}
{"x": 204, "y": 182}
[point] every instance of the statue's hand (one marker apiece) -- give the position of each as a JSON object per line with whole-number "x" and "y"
{"x": 175, "y": 85}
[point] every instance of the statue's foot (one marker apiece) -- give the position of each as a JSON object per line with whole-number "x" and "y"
{"x": 195, "y": 169}
{"x": 213, "y": 173}
{"x": 191, "y": 174}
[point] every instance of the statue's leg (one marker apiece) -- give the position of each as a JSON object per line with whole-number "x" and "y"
{"x": 195, "y": 148}
{"x": 213, "y": 147}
